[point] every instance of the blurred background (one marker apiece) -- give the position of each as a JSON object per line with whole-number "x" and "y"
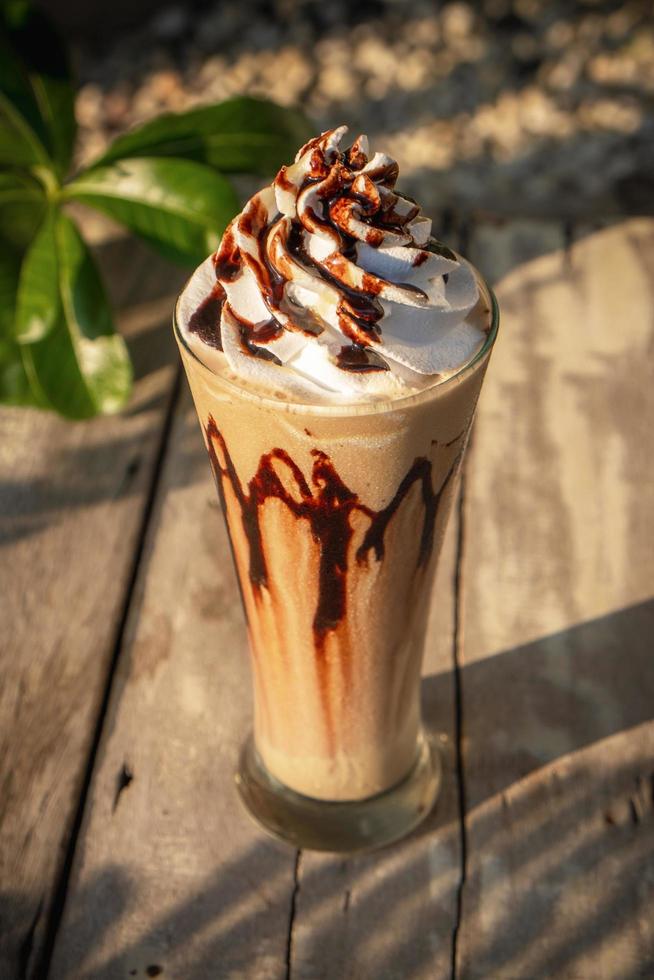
{"x": 507, "y": 106}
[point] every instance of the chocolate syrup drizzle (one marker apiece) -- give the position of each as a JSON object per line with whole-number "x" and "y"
{"x": 205, "y": 321}
{"x": 346, "y": 193}
{"x": 327, "y": 505}
{"x": 358, "y": 311}
{"x": 353, "y": 357}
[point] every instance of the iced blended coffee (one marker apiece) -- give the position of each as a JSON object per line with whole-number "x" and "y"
{"x": 335, "y": 351}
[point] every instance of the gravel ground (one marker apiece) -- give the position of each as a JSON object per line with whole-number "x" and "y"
{"x": 523, "y": 107}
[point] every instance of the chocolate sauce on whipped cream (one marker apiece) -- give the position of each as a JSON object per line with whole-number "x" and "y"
{"x": 227, "y": 260}
{"x": 352, "y": 357}
{"x": 332, "y": 254}
{"x": 205, "y": 322}
{"x": 358, "y": 310}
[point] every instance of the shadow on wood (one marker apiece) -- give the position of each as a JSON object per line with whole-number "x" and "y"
{"x": 583, "y": 685}
{"x": 569, "y": 690}
{"x": 559, "y": 798}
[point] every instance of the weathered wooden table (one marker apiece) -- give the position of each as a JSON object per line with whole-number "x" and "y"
{"x": 124, "y": 687}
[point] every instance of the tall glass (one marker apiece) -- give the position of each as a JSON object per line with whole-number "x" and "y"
{"x": 336, "y": 516}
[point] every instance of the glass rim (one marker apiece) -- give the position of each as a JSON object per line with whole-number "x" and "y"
{"x": 346, "y": 409}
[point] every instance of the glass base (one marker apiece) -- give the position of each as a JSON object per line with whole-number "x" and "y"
{"x": 346, "y": 827}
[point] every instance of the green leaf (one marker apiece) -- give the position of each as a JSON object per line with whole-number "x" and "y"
{"x": 38, "y": 304}
{"x": 180, "y": 207}
{"x": 242, "y": 135}
{"x": 81, "y": 367}
{"x": 15, "y": 388}
{"x": 20, "y": 222}
{"x": 22, "y": 204}
{"x": 19, "y": 147}
{"x": 37, "y": 116}
{"x": 14, "y": 385}
{"x": 9, "y": 269}
{"x": 17, "y": 187}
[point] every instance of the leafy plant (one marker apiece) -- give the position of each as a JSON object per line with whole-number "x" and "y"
{"x": 164, "y": 181}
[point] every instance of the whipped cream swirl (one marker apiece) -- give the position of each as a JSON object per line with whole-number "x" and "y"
{"x": 329, "y": 287}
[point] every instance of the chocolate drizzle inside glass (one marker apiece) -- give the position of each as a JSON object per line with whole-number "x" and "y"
{"x": 327, "y": 504}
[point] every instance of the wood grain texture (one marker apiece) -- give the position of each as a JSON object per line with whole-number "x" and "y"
{"x": 71, "y": 503}
{"x": 391, "y": 914}
{"x": 169, "y": 872}
{"x": 558, "y": 620}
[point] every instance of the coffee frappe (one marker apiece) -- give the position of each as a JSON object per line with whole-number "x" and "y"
{"x": 335, "y": 351}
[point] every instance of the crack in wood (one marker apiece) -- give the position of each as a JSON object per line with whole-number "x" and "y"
{"x": 458, "y": 717}
{"x": 27, "y": 945}
{"x": 569, "y": 238}
{"x": 634, "y": 810}
{"x": 642, "y": 802}
{"x": 123, "y": 780}
{"x": 292, "y": 911}
{"x": 131, "y": 472}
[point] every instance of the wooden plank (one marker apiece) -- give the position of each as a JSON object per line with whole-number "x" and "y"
{"x": 558, "y": 621}
{"x": 391, "y": 914}
{"x": 170, "y": 874}
{"x": 72, "y": 498}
